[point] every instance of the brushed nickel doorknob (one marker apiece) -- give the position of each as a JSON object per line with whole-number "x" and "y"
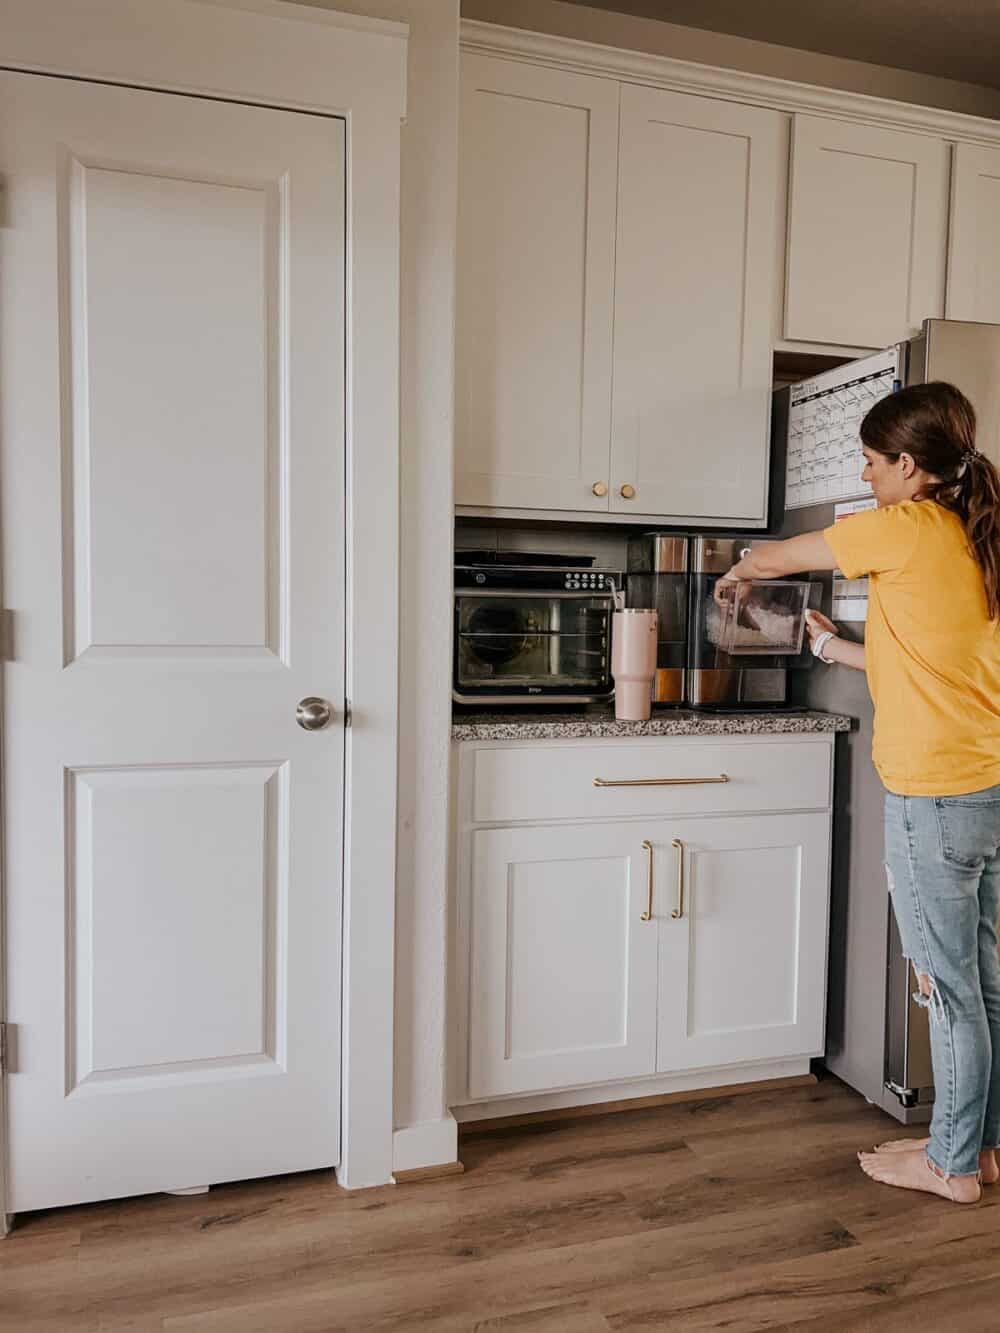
{"x": 627, "y": 492}
{"x": 313, "y": 713}
{"x": 599, "y": 489}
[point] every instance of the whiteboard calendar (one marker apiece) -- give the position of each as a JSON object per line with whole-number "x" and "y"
{"x": 825, "y": 461}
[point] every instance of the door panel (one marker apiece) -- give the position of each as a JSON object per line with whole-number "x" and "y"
{"x": 694, "y": 293}
{"x": 563, "y": 981}
{"x": 867, "y": 233}
{"x": 172, "y": 458}
{"x": 221, "y": 882}
{"x": 191, "y": 267}
{"x": 743, "y": 968}
{"x": 539, "y": 151}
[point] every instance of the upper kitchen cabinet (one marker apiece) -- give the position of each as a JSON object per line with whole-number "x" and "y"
{"x": 867, "y": 232}
{"x": 974, "y": 236}
{"x": 538, "y": 178}
{"x": 694, "y": 292}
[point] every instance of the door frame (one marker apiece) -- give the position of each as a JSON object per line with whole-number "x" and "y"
{"x": 292, "y": 56}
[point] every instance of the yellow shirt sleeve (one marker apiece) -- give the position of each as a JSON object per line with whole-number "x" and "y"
{"x": 876, "y": 541}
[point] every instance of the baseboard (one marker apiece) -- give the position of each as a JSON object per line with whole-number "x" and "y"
{"x": 419, "y": 1173}
{"x": 430, "y": 1143}
{"x": 470, "y": 1127}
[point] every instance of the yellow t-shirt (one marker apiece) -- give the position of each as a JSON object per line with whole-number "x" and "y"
{"x": 932, "y": 654}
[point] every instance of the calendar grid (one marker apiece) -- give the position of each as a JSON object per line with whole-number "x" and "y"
{"x": 824, "y": 460}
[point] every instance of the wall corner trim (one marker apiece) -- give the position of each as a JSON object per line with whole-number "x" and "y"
{"x": 428, "y": 1143}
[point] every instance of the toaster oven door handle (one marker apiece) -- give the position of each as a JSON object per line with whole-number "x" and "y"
{"x": 660, "y": 782}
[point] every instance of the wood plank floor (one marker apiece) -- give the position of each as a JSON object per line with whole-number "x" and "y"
{"x": 743, "y": 1213}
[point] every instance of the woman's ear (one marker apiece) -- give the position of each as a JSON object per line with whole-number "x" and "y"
{"x": 907, "y": 464}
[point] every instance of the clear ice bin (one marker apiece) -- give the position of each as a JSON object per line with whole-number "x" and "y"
{"x": 761, "y": 618}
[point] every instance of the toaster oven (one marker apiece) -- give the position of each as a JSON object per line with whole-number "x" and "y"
{"x": 527, "y": 634}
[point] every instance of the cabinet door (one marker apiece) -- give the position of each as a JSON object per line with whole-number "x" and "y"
{"x": 563, "y": 975}
{"x": 974, "y": 244}
{"x": 867, "y": 229}
{"x": 694, "y": 293}
{"x": 742, "y": 969}
{"x": 537, "y": 183}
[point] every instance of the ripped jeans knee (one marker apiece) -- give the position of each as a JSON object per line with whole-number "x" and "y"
{"x": 927, "y": 995}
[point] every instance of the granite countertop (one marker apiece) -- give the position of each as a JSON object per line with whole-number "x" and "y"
{"x": 599, "y": 720}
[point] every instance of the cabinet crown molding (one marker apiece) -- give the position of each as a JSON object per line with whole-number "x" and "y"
{"x": 732, "y": 85}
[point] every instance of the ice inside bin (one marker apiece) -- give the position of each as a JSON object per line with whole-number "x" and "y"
{"x": 760, "y": 616}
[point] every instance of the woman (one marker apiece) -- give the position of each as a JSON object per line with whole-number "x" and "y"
{"x": 932, "y": 656}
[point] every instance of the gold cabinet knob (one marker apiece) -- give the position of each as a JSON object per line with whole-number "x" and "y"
{"x": 599, "y": 489}
{"x": 627, "y": 492}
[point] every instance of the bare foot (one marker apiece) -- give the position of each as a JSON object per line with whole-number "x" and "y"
{"x": 912, "y": 1171}
{"x": 987, "y": 1158}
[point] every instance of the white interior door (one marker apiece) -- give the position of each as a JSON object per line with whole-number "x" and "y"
{"x": 172, "y": 506}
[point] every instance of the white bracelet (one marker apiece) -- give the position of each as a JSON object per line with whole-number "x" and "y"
{"x": 819, "y": 643}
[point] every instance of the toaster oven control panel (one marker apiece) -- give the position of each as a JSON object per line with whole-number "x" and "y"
{"x": 510, "y": 579}
{"x": 580, "y": 579}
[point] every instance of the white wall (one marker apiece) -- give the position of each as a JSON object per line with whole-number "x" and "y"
{"x": 429, "y": 195}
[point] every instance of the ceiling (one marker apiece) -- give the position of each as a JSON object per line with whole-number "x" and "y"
{"x": 954, "y": 39}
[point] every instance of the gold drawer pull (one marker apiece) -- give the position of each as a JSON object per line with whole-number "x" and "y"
{"x": 660, "y": 782}
{"x": 678, "y": 847}
{"x": 648, "y": 849}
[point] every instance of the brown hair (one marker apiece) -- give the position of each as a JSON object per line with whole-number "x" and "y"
{"x": 936, "y": 425}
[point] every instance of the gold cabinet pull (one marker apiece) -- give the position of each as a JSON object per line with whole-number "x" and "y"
{"x": 659, "y": 782}
{"x": 678, "y": 847}
{"x": 647, "y": 847}
{"x": 599, "y": 489}
{"x": 627, "y": 492}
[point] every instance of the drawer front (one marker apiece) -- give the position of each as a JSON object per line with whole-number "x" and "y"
{"x": 539, "y": 782}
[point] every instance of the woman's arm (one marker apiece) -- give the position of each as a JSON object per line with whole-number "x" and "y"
{"x": 845, "y": 652}
{"x": 798, "y": 555}
{"x": 773, "y": 560}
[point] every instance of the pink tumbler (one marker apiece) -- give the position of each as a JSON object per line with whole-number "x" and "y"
{"x": 633, "y": 662}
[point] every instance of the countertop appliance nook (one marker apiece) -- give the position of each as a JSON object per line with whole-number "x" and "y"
{"x": 528, "y": 631}
{"x": 742, "y": 647}
{"x": 878, "y": 1039}
{"x": 718, "y": 653}
{"x": 657, "y": 579}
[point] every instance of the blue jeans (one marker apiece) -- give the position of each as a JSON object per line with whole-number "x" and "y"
{"x": 943, "y": 862}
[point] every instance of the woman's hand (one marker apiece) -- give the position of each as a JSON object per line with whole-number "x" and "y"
{"x": 839, "y": 650}
{"x": 725, "y": 589}
{"x": 817, "y": 624}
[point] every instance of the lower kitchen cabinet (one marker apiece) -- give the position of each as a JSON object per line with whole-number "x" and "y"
{"x": 563, "y": 967}
{"x": 742, "y": 966}
{"x": 670, "y": 941}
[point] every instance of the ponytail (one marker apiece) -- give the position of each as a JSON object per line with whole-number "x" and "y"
{"x": 936, "y": 426}
{"x": 979, "y": 509}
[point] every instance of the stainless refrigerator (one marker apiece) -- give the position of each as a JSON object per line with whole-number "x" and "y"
{"x": 877, "y": 1038}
